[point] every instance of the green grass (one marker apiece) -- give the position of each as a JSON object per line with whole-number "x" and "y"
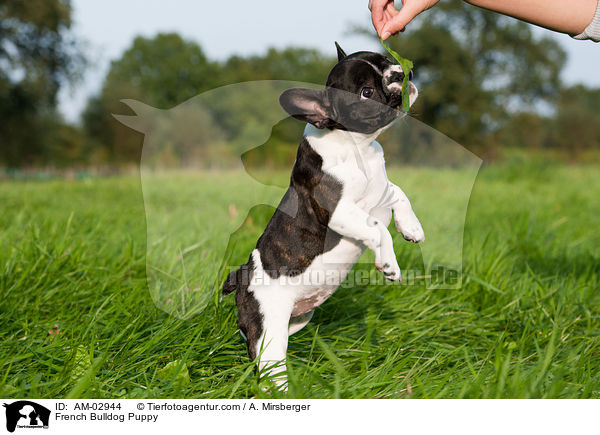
{"x": 525, "y": 322}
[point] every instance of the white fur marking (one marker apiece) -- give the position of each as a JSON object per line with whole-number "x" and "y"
{"x": 377, "y": 70}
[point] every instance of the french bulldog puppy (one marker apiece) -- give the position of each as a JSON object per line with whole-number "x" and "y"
{"x": 339, "y": 203}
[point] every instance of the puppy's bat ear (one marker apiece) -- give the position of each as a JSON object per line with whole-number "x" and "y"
{"x": 341, "y": 53}
{"x": 307, "y": 105}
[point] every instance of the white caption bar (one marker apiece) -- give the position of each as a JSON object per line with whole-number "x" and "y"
{"x": 250, "y": 416}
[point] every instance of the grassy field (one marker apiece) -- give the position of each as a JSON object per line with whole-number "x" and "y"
{"x": 78, "y": 320}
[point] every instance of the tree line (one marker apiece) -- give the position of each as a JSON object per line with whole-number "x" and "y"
{"x": 487, "y": 82}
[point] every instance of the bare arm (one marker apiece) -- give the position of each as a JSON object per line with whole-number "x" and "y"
{"x": 571, "y": 16}
{"x": 566, "y": 16}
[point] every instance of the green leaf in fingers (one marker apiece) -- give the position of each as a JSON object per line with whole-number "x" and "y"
{"x": 407, "y": 66}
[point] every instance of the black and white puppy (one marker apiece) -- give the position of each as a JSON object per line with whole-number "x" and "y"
{"x": 339, "y": 202}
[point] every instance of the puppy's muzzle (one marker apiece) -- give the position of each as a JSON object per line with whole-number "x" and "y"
{"x": 392, "y": 82}
{"x": 393, "y": 78}
{"x": 398, "y": 77}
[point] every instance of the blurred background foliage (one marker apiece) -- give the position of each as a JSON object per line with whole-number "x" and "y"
{"x": 485, "y": 82}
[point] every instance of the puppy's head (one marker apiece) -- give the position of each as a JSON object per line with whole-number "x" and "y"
{"x": 363, "y": 94}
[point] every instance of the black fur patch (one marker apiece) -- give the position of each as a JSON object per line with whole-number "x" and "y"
{"x": 298, "y": 230}
{"x": 295, "y": 235}
{"x": 239, "y": 278}
{"x": 250, "y": 319}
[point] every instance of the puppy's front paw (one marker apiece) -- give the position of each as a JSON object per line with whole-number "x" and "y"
{"x": 412, "y": 231}
{"x": 390, "y": 269}
{"x": 415, "y": 235}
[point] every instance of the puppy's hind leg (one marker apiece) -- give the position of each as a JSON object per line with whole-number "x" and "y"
{"x": 271, "y": 346}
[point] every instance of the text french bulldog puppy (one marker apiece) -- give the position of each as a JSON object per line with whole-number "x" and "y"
{"x": 339, "y": 202}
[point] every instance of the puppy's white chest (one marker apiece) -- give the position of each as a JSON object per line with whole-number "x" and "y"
{"x": 362, "y": 174}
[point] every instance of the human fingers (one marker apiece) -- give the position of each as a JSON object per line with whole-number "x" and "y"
{"x": 398, "y": 22}
{"x": 378, "y": 13}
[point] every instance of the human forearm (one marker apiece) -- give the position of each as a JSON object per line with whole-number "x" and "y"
{"x": 571, "y": 16}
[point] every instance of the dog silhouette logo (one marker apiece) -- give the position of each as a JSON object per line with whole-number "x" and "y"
{"x": 181, "y": 137}
{"x": 26, "y": 414}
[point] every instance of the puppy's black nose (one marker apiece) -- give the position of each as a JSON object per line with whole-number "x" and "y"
{"x": 398, "y": 76}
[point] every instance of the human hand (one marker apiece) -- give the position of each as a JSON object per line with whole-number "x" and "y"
{"x": 388, "y": 21}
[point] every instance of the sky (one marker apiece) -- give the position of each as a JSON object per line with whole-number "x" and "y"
{"x": 224, "y": 28}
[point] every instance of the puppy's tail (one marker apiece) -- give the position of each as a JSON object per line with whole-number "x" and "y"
{"x": 230, "y": 284}
{"x": 239, "y": 279}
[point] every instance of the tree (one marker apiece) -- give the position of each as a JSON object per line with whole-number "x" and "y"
{"x": 167, "y": 70}
{"x": 293, "y": 64}
{"x": 572, "y": 129}
{"x": 576, "y": 126}
{"x": 162, "y": 71}
{"x": 38, "y": 55}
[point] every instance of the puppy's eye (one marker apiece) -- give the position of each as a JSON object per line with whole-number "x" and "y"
{"x": 366, "y": 93}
